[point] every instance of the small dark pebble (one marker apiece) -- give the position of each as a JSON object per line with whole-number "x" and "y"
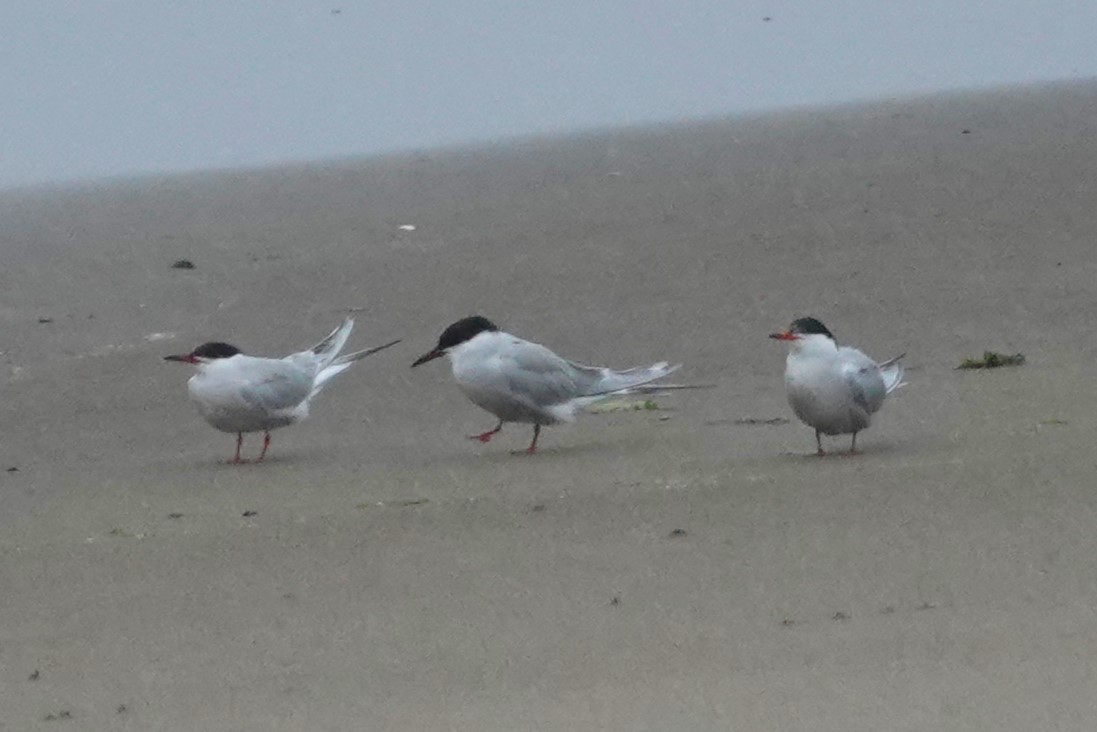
{"x": 766, "y": 19}
{"x": 615, "y": 601}
{"x": 538, "y": 508}
{"x": 840, "y": 616}
{"x": 965, "y": 132}
{"x": 925, "y": 606}
{"x": 45, "y": 319}
{"x": 175, "y": 515}
{"x": 13, "y": 469}
{"x": 250, "y": 513}
{"x": 788, "y": 622}
{"x": 122, "y": 709}
{"x": 63, "y": 714}
{"x": 34, "y": 675}
{"x": 182, "y": 264}
{"x": 678, "y": 532}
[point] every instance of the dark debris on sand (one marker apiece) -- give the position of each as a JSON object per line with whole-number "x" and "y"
{"x": 992, "y": 360}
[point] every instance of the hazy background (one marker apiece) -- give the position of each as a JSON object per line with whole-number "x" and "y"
{"x": 93, "y": 89}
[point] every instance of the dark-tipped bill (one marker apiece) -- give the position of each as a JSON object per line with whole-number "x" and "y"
{"x": 184, "y": 357}
{"x": 784, "y": 335}
{"x": 429, "y": 356}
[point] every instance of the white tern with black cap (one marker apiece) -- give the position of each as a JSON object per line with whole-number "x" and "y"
{"x": 520, "y": 381}
{"x": 239, "y": 393}
{"x": 835, "y": 389}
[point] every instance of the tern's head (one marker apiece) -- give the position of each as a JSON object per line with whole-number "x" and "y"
{"x": 806, "y": 333}
{"x": 462, "y": 331}
{"x": 206, "y": 353}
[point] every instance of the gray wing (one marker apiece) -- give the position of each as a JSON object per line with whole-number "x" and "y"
{"x": 276, "y": 385}
{"x": 536, "y": 371}
{"x": 539, "y": 377}
{"x": 862, "y": 376}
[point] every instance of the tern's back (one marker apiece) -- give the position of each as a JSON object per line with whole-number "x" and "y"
{"x": 248, "y": 394}
{"x": 514, "y": 379}
{"x": 521, "y": 381}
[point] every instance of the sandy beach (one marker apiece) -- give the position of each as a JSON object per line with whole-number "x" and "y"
{"x": 686, "y": 568}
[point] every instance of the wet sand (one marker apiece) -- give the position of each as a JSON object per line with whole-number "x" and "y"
{"x": 380, "y": 571}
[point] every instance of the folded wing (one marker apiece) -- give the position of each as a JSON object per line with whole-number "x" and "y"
{"x": 544, "y": 378}
{"x": 276, "y": 386}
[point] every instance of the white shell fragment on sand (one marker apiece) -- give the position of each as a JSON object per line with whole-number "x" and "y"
{"x": 406, "y": 227}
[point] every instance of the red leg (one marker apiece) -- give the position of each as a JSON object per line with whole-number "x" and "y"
{"x": 239, "y": 444}
{"x": 266, "y": 444}
{"x": 533, "y": 445}
{"x": 486, "y": 436}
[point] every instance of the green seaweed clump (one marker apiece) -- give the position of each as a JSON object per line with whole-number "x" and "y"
{"x": 992, "y": 360}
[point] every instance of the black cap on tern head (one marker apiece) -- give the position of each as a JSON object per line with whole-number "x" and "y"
{"x": 810, "y": 326}
{"x": 463, "y": 330}
{"x": 802, "y": 327}
{"x": 216, "y": 349}
{"x": 207, "y": 352}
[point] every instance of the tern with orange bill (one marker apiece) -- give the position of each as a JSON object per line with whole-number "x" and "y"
{"x": 834, "y": 389}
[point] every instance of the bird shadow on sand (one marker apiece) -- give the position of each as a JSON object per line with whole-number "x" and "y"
{"x": 866, "y": 452}
{"x": 284, "y": 458}
{"x": 499, "y": 452}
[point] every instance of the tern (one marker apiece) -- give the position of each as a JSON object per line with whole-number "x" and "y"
{"x": 239, "y": 393}
{"x": 520, "y": 381}
{"x": 835, "y": 389}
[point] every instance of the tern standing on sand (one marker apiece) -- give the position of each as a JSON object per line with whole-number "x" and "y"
{"x": 835, "y": 389}
{"x": 520, "y": 381}
{"x": 238, "y": 393}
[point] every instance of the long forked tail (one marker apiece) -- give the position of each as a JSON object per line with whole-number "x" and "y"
{"x": 630, "y": 381}
{"x": 892, "y": 372}
{"x": 327, "y": 349}
{"x": 605, "y": 383}
{"x": 342, "y": 363}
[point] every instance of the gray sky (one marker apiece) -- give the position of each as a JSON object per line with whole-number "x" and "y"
{"x": 93, "y": 88}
